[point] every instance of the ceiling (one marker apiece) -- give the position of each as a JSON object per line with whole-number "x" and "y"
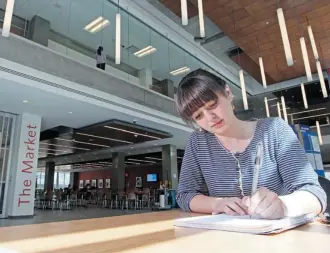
{"x": 253, "y": 26}
{"x": 65, "y": 18}
{"x": 62, "y": 140}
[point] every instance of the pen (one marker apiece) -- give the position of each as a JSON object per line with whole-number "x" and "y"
{"x": 257, "y": 165}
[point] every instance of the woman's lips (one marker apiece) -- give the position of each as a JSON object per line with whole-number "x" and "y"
{"x": 218, "y": 124}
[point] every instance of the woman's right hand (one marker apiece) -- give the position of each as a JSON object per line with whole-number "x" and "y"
{"x": 230, "y": 206}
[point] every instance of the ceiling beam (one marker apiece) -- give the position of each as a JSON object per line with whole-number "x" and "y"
{"x": 215, "y": 37}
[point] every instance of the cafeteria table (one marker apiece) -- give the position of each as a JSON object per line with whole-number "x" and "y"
{"x": 154, "y": 232}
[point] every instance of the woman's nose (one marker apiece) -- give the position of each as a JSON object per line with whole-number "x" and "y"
{"x": 209, "y": 115}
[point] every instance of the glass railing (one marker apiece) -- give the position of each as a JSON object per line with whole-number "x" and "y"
{"x": 77, "y": 28}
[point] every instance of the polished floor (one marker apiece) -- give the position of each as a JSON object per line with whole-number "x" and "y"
{"x": 46, "y": 216}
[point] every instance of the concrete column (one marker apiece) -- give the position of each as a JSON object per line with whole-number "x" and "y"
{"x": 39, "y": 30}
{"x": 74, "y": 180}
{"x": 23, "y": 166}
{"x": 118, "y": 172}
{"x": 145, "y": 76}
{"x": 170, "y": 165}
{"x": 167, "y": 88}
{"x": 49, "y": 175}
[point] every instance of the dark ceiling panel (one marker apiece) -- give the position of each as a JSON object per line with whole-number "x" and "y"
{"x": 103, "y": 135}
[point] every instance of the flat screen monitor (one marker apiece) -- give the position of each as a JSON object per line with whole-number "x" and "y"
{"x": 151, "y": 178}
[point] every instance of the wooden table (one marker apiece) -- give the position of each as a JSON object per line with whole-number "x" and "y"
{"x": 154, "y": 232}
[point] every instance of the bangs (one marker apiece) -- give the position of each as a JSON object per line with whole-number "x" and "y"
{"x": 193, "y": 98}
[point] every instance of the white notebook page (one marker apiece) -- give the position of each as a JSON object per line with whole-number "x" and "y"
{"x": 246, "y": 224}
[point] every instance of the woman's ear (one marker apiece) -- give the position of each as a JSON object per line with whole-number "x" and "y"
{"x": 228, "y": 93}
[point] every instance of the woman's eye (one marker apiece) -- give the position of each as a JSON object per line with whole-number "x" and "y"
{"x": 198, "y": 116}
{"x": 212, "y": 105}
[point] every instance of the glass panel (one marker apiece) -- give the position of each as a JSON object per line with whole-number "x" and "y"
{"x": 77, "y": 28}
{"x": 6, "y": 124}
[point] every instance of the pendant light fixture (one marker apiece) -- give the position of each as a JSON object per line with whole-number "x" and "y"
{"x": 312, "y": 40}
{"x": 304, "y": 95}
{"x": 118, "y": 37}
{"x": 266, "y": 106}
{"x": 241, "y": 73}
{"x": 285, "y": 37}
{"x": 184, "y": 12}
{"x": 242, "y": 81}
{"x": 279, "y": 109}
{"x": 318, "y": 129}
{"x": 8, "y": 17}
{"x": 306, "y": 60}
{"x": 201, "y": 18}
{"x": 262, "y": 70}
{"x": 285, "y": 116}
{"x": 261, "y": 65}
{"x": 321, "y": 77}
{"x": 304, "y": 52}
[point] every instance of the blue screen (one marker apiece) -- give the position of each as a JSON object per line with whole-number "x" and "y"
{"x": 151, "y": 178}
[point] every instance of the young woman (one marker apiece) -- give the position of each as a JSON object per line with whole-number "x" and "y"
{"x": 101, "y": 58}
{"x": 217, "y": 170}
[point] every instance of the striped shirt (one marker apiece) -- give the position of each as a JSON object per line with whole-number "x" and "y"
{"x": 210, "y": 169}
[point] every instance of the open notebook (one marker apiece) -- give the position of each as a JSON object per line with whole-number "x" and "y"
{"x": 244, "y": 224}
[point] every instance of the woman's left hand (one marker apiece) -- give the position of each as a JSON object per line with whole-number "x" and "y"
{"x": 265, "y": 204}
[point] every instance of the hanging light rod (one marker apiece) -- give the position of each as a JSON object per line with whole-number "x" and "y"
{"x": 285, "y": 37}
{"x": 312, "y": 40}
{"x": 261, "y": 65}
{"x": 305, "y": 59}
{"x": 304, "y": 95}
{"x": 241, "y": 77}
{"x": 184, "y": 12}
{"x": 201, "y": 18}
{"x": 8, "y": 18}
{"x": 319, "y": 132}
{"x": 262, "y": 71}
{"x": 321, "y": 77}
{"x": 279, "y": 109}
{"x": 285, "y": 116}
{"x": 118, "y": 37}
{"x": 266, "y": 106}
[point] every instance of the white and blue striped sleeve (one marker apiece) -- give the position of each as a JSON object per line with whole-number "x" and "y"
{"x": 191, "y": 182}
{"x": 295, "y": 169}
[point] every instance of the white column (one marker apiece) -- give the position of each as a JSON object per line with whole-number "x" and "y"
{"x": 145, "y": 76}
{"x": 24, "y": 164}
{"x": 170, "y": 165}
{"x": 8, "y": 18}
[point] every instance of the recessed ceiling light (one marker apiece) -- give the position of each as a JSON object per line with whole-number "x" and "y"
{"x": 25, "y": 101}
{"x": 70, "y": 112}
{"x": 97, "y": 25}
{"x": 104, "y": 138}
{"x": 267, "y": 23}
{"x": 145, "y": 51}
{"x": 180, "y": 71}
{"x": 131, "y": 132}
